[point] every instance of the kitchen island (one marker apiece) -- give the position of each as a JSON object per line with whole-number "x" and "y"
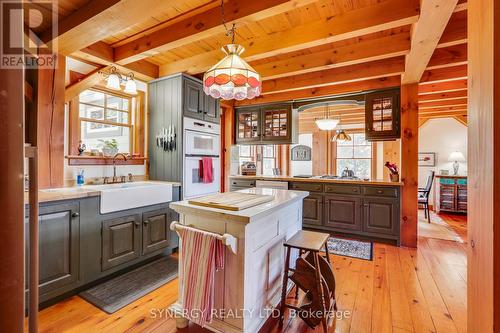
{"x": 369, "y": 209}
{"x": 249, "y": 286}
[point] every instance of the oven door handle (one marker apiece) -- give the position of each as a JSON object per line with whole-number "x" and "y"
{"x": 201, "y": 155}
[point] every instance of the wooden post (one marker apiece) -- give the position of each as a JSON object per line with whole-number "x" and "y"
{"x": 12, "y": 199}
{"x": 50, "y": 125}
{"x": 409, "y": 163}
{"x": 483, "y": 265}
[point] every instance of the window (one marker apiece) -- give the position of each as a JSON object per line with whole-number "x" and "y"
{"x": 105, "y": 116}
{"x": 355, "y": 155}
{"x": 265, "y": 157}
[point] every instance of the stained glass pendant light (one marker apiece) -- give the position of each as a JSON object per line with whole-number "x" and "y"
{"x": 232, "y": 77}
{"x": 341, "y": 135}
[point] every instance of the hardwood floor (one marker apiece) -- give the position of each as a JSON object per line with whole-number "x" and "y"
{"x": 401, "y": 290}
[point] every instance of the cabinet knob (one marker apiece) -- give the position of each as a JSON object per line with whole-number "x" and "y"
{"x": 146, "y": 222}
{"x": 137, "y": 224}
{"x": 75, "y": 214}
{"x": 380, "y": 191}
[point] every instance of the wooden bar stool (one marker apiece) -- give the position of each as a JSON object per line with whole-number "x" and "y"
{"x": 313, "y": 274}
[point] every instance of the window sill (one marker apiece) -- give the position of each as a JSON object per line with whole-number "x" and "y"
{"x": 101, "y": 160}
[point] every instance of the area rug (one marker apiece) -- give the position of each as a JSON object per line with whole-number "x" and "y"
{"x": 350, "y": 248}
{"x": 122, "y": 290}
{"x": 438, "y": 229}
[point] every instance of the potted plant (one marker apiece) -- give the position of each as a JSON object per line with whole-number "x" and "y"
{"x": 109, "y": 147}
{"x": 394, "y": 172}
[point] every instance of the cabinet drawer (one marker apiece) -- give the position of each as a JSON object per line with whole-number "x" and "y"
{"x": 381, "y": 191}
{"x": 306, "y": 187}
{"x": 342, "y": 189}
{"x": 242, "y": 183}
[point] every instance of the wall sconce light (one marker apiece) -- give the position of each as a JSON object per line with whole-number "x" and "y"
{"x": 115, "y": 79}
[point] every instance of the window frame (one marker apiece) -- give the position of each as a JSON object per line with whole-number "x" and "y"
{"x": 371, "y": 158}
{"x": 257, "y": 156}
{"x": 136, "y": 123}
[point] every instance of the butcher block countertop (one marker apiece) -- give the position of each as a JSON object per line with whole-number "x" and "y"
{"x": 377, "y": 182}
{"x": 72, "y": 192}
{"x": 281, "y": 199}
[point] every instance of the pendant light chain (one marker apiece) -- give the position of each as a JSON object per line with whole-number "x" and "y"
{"x": 229, "y": 32}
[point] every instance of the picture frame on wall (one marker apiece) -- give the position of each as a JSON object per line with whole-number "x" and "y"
{"x": 426, "y": 159}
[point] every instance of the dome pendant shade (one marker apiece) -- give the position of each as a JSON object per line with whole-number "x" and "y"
{"x": 232, "y": 77}
{"x": 326, "y": 124}
{"x": 341, "y": 136}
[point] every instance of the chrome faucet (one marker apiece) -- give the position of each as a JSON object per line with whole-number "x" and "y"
{"x": 115, "y": 179}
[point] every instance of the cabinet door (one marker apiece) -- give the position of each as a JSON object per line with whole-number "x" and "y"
{"x": 382, "y": 116}
{"x": 343, "y": 212}
{"x": 193, "y": 99}
{"x": 121, "y": 240}
{"x": 155, "y": 231}
{"x": 381, "y": 216}
{"x": 447, "y": 194}
{"x": 312, "y": 208}
{"x": 211, "y": 110}
{"x": 276, "y": 122}
{"x": 462, "y": 198}
{"x": 248, "y": 125}
{"x": 59, "y": 227}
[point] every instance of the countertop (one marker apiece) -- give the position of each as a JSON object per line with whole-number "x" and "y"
{"x": 74, "y": 192}
{"x": 281, "y": 199}
{"x": 320, "y": 180}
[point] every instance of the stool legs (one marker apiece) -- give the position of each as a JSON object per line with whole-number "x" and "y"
{"x": 296, "y": 287}
{"x": 285, "y": 284}
{"x": 320, "y": 292}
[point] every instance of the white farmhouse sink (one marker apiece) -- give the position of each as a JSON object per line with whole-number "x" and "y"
{"x": 115, "y": 197}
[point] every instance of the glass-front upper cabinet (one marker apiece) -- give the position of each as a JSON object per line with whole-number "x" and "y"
{"x": 248, "y": 125}
{"x": 382, "y": 116}
{"x": 276, "y": 123}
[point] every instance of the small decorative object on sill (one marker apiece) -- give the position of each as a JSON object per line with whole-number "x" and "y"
{"x": 248, "y": 169}
{"x": 394, "y": 172}
{"x": 80, "y": 179}
{"x": 232, "y": 77}
{"x": 81, "y": 148}
{"x": 109, "y": 147}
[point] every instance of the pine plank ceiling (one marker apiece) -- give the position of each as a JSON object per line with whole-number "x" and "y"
{"x": 302, "y": 48}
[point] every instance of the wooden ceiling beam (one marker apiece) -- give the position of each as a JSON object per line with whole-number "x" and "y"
{"x": 444, "y": 74}
{"x": 440, "y": 96}
{"x": 378, "y": 17}
{"x": 201, "y": 26}
{"x": 448, "y": 102}
{"x": 98, "y": 19}
{"x": 359, "y": 86}
{"x": 91, "y": 80}
{"x": 447, "y": 86}
{"x": 361, "y": 51}
{"x": 426, "y": 33}
{"x": 442, "y": 109}
{"x": 461, "y": 119}
{"x": 102, "y": 54}
{"x": 359, "y": 72}
{"x": 448, "y": 56}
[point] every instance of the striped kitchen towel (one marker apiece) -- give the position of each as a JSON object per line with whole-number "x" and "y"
{"x": 202, "y": 254}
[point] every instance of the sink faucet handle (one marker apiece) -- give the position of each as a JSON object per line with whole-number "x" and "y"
{"x": 130, "y": 177}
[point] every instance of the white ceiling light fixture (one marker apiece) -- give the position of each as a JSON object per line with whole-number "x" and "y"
{"x": 232, "y": 77}
{"x": 327, "y": 124}
{"x": 115, "y": 80}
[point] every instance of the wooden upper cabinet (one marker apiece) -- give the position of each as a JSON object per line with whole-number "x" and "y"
{"x": 197, "y": 104}
{"x": 248, "y": 125}
{"x": 382, "y": 116}
{"x": 273, "y": 124}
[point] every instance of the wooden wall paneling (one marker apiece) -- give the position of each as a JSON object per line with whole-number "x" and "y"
{"x": 391, "y": 153}
{"x": 483, "y": 220}
{"x": 409, "y": 166}
{"x": 228, "y": 140}
{"x": 50, "y": 125}
{"x": 320, "y": 152}
{"x": 12, "y": 202}
{"x": 74, "y": 126}
{"x": 139, "y": 131}
{"x": 452, "y": 85}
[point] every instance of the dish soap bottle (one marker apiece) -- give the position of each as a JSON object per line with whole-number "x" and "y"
{"x": 80, "y": 179}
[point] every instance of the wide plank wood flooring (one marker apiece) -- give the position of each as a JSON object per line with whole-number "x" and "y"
{"x": 401, "y": 290}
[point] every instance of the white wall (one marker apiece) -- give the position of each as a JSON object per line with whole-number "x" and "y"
{"x": 302, "y": 167}
{"x": 441, "y": 136}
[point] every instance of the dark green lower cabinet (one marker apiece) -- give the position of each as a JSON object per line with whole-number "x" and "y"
{"x": 58, "y": 246}
{"x": 156, "y": 231}
{"x": 381, "y": 216}
{"x": 343, "y": 212}
{"x": 121, "y": 240}
{"x": 312, "y": 210}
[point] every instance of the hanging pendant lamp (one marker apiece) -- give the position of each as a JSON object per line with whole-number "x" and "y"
{"x": 326, "y": 124}
{"x": 232, "y": 77}
{"x": 341, "y": 135}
